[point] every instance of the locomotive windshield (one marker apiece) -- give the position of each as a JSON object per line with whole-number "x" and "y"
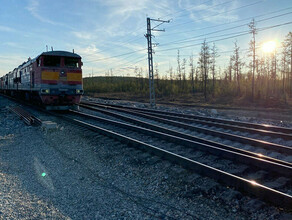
{"x": 71, "y": 62}
{"x": 52, "y": 61}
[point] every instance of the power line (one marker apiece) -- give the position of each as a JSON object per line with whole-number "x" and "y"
{"x": 200, "y": 39}
{"x": 218, "y": 25}
{"x": 198, "y": 35}
{"x": 185, "y": 40}
{"x": 234, "y": 27}
{"x": 220, "y": 52}
{"x": 214, "y": 6}
{"x": 237, "y": 35}
{"x": 113, "y": 48}
{"x": 185, "y": 9}
{"x": 124, "y": 59}
{"x": 225, "y": 38}
{"x": 135, "y": 39}
{"x": 106, "y": 58}
{"x": 244, "y": 6}
{"x": 122, "y": 64}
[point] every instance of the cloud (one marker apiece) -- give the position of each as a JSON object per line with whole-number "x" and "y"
{"x": 6, "y": 29}
{"x": 33, "y": 8}
{"x": 212, "y": 11}
{"x": 10, "y": 61}
{"x": 129, "y": 16}
{"x": 98, "y": 61}
{"x": 83, "y": 35}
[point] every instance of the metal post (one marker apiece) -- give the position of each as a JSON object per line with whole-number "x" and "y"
{"x": 150, "y": 57}
{"x": 150, "y": 64}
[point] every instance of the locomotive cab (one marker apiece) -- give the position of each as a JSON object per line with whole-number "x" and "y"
{"x": 60, "y": 78}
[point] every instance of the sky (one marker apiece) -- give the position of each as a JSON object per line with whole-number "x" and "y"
{"x": 109, "y": 34}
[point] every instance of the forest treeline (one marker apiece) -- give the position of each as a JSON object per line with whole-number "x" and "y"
{"x": 258, "y": 77}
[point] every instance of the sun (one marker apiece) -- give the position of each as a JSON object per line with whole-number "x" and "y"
{"x": 269, "y": 46}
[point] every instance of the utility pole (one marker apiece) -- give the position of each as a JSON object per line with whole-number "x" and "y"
{"x": 150, "y": 56}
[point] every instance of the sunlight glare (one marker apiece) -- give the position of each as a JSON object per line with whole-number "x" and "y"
{"x": 269, "y": 46}
{"x": 253, "y": 182}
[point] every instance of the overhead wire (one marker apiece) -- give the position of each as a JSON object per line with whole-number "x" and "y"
{"x": 209, "y": 7}
{"x": 230, "y": 28}
{"x": 219, "y": 52}
{"x": 119, "y": 55}
{"x": 236, "y": 35}
{"x": 133, "y": 51}
{"x": 143, "y": 49}
{"x": 203, "y": 18}
{"x": 134, "y": 39}
{"x": 123, "y": 64}
{"x": 123, "y": 44}
{"x": 184, "y": 9}
{"x": 225, "y": 38}
{"x": 224, "y": 24}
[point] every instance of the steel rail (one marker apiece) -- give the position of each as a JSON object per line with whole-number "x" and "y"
{"x": 267, "y": 194}
{"x": 187, "y": 136}
{"x": 22, "y": 116}
{"x": 25, "y": 116}
{"x": 276, "y": 129}
{"x": 233, "y": 137}
{"x": 28, "y": 118}
{"x": 271, "y": 164}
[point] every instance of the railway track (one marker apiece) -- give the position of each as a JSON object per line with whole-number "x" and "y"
{"x": 226, "y": 166}
{"x": 178, "y": 124}
{"x": 274, "y": 131}
{"x": 266, "y": 178}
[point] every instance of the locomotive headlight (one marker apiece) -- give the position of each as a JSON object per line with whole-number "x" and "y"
{"x": 45, "y": 91}
{"x": 79, "y": 91}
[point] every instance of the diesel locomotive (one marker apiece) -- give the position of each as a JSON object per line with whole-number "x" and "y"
{"x": 52, "y": 79}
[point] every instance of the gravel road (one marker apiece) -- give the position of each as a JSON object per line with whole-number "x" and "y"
{"x": 70, "y": 173}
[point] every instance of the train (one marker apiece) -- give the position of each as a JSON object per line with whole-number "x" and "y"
{"x": 53, "y": 79}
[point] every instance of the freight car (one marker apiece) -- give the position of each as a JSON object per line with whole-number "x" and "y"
{"x": 52, "y": 79}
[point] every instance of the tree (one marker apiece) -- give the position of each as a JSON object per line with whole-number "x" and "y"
{"x": 184, "y": 74}
{"x": 288, "y": 47}
{"x": 236, "y": 65}
{"x": 230, "y": 69}
{"x": 178, "y": 66}
{"x": 284, "y": 62}
{"x": 170, "y": 70}
{"x": 140, "y": 75}
{"x": 204, "y": 62}
{"x": 136, "y": 72}
{"x": 214, "y": 55}
{"x": 192, "y": 71}
{"x": 156, "y": 75}
{"x": 284, "y": 69}
{"x": 253, "y": 31}
{"x": 274, "y": 71}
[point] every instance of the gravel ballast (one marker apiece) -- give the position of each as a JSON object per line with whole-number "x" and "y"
{"x": 71, "y": 173}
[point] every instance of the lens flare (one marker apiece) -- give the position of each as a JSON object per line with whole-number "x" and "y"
{"x": 253, "y": 182}
{"x": 269, "y": 46}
